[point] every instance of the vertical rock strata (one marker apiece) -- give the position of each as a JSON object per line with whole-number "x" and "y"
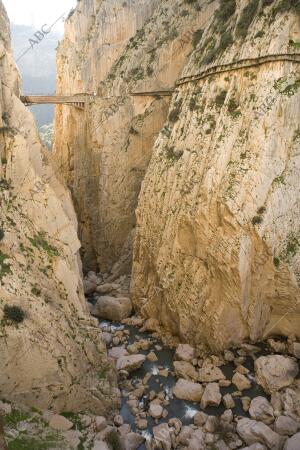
{"x": 112, "y": 49}
{"x": 216, "y": 255}
{"x": 55, "y": 356}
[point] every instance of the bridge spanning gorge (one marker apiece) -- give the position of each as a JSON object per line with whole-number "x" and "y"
{"x": 79, "y": 100}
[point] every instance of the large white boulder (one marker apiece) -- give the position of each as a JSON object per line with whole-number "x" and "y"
{"x": 162, "y": 436}
{"x": 212, "y": 396}
{"x": 210, "y": 373}
{"x": 274, "y": 372}
{"x": 188, "y": 390}
{"x": 112, "y": 308}
{"x": 130, "y": 362}
{"x": 293, "y": 443}
{"x": 61, "y": 423}
{"x": 260, "y": 409}
{"x": 241, "y": 382}
{"x": 184, "y": 369}
{"x": 253, "y": 432}
{"x": 286, "y": 426}
{"x": 185, "y": 352}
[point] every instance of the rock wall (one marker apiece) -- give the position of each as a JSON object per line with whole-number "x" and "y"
{"x": 216, "y": 253}
{"x": 216, "y": 257}
{"x": 54, "y": 357}
{"x": 112, "y": 49}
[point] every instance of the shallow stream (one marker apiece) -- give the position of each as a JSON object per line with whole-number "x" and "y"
{"x": 183, "y": 410}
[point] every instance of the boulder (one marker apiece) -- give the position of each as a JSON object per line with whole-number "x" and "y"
{"x": 188, "y": 390}
{"x": 286, "y": 426}
{"x": 106, "y": 288}
{"x": 112, "y": 308}
{"x": 60, "y": 423}
{"x": 89, "y": 286}
{"x": 260, "y": 409}
{"x": 253, "y": 432}
{"x": 107, "y": 337}
{"x": 186, "y": 370}
{"x": 100, "y": 423}
{"x": 185, "y": 352}
{"x": 228, "y": 401}
{"x": 274, "y": 372}
{"x": 73, "y": 438}
{"x": 141, "y": 424}
{"x": 152, "y": 357}
{"x": 200, "y": 418}
{"x": 197, "y": 441}
{"x": 150, "y": 325}
{"x": 100, "y": 445}
{"x": 277, "y": 346}
{"x": 176, "y": 424}
{"x": 294, "y": 349}
{"x": 117, "y": 352}
{"x": 132, "y": 441}
{"x": 210, "y": 373}
{"x": 155, "y": 410}
{"x": 118, "y": 420}
{"x": 292, "y": 443}
{"x": 185, "y": 435}
{"x": 130, "y": 362}
{"x": 162, "y": 436}
{"x": 241, "y": 382}
{"x": 211, "y": 396}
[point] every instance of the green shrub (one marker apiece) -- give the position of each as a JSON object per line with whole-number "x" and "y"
{"x": 2, "y": 234}
{"x": 233, "y": 108}
{"x": 13, "y": 313}
{"x": 132, "y": 130}
{"x": 220, "y": 98}
{"x": 267, "y": 3}
{"x": 276, "y": 261}
{"x": 226, "y": 40}
{"x": 36, "y": 291}
{"x": 40, "y": 242}
{"x": 4, "y": 184}
{"x": 113, "y": 439}
{"x": 257, "y": 220}
{"x": 246, "y": 18}
{"x": 259, "y": 34}
{"x": 175, "y": 112}
{"x": 261, "y": 210}
{"x": 292, "y": 245}
{"x": 286, "y": 5}
{"x": 4, "y": 267}
{"x": 192, "y": 104}
{"x": 197, "y": 37}
{"x": 226, "y": 10}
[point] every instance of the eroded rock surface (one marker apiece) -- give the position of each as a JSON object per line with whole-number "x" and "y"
{"x": 51, "y": 349}
{"x": 216, "y": 255}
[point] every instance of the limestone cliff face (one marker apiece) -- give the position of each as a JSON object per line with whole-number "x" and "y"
{"x": 217, "y": 254}
{"x": 113, "y": 48}
{"x": 55, "y": 357}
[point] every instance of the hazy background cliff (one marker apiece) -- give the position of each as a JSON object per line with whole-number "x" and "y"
{"x": 216, "y": 252}
{"x": 53, "y": 357}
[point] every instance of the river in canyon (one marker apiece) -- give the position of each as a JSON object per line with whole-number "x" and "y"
{"x": 149, "y": 375}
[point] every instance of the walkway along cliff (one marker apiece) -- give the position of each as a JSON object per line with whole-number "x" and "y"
{"x": 213, "y": 171}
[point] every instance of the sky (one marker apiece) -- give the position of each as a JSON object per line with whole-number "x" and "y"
{"x": 38, "y": 12}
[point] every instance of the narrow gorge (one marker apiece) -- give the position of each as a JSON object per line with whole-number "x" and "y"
{"x": 150, "y": 263}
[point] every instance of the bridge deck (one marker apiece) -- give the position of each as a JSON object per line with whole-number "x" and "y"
{"x": 79, "y": 100}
